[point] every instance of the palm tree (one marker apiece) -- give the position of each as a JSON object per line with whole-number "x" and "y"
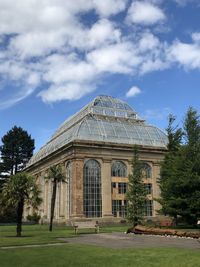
{"x": 18, "y": 191}
{"x": 56, "y": 176}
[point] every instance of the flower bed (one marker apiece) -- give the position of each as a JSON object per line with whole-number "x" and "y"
{"x": 164, "y": 232}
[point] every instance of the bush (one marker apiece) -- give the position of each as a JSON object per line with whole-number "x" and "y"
{"x": 34, "y": 217}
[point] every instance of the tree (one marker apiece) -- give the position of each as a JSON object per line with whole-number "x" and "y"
{"x": 20, "y": 190}
{"x": 136, "y": 195}
{"x": 168, "y": 182}
{"x": 16, "y": 151}
{"x": 189, "y": 167}
{"x": 56, "y": 176}
{"x": 180, "y": 171}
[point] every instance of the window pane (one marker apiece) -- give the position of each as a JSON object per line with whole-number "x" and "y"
{"x": 119, "y": 169}
{"x": 148, "y": 188}
{"x": 148, "y": 208}
{"x": 122, "y": 188}
{"x": 146, "y": 170}
{"x": 92, "y": 189}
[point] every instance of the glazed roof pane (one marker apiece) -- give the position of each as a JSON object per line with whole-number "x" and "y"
{"x": 105, "y": 119}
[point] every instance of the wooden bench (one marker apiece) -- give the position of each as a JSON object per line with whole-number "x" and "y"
{"x": 85, "y": 225}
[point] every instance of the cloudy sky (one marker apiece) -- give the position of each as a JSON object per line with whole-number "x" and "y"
{"x": 57, "y": 55}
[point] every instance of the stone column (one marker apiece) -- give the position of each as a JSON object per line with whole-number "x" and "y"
{"x": 77, "y": 189}
{"x": 61, "y": 197}
{"x": 106, "y": 189}
{"x": 156, "y": 189}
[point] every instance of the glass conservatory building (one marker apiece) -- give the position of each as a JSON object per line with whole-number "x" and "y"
{"x": 94, "y": 148}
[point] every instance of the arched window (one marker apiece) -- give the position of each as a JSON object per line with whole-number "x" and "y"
{"x": 119, "y": 169}
{"x": 146, "y": 170}
{"x": 92, "y": 189}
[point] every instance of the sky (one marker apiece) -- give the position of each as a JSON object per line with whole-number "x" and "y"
{"x": 58, "y": 55}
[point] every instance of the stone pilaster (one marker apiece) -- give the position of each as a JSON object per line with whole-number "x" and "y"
{"x": 106, "y": 189}
{"x": 77, "y": 188}
{"x": 156, "y": 188}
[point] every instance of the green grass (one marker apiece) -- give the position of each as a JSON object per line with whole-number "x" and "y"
{"x": 39, "y": 234}
{"x": 32, "y": 234}
{"x": 84, "y": 255}
{"x": 91, "y": 256}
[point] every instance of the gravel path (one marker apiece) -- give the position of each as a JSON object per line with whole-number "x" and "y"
{"x": 122, "y": 240}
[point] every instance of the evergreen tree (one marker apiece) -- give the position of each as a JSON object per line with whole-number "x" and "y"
{"x": 168, "y": 181}
{"x": 189, "y": 167}
{"x": 180, "y": 171}
{"x": 56, "y": 176}
{"x": 136, "y": 195}
{"x": 16, "y": 150}
{"x": 18, "y": 190}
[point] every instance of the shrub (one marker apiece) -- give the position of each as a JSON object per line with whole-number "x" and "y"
{"x": 34, "y": 217}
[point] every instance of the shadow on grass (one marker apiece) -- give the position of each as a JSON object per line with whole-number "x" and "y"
{"x": 11, "y": 236}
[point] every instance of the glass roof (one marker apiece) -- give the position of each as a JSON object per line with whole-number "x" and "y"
{"x": 105, "y": 119}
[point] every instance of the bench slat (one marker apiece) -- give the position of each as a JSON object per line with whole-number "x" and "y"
{"x": 85, "y": 225}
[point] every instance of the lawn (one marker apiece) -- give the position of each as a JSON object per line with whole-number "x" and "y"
{"x": 79, "y": 255}
{"x": 83, "y": 255}
{"x": 39, "y": 234}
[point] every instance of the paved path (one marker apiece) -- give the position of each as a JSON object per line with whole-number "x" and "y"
{"x": 122, "y": 240}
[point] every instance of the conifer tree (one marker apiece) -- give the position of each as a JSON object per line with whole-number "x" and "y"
{"x": 180, "y": 171}
{"x": 136, "y": 195}
{"x": 168, "y": 181}
{"x": 189, "y": 168}
{"x": 16, "y": 150}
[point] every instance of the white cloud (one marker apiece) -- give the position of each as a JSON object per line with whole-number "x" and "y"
{"x": 69, "y": 91}
{"x": 109, "y": 7}
{"x": 148, "y": 42}
{"x": 187, "y": 55}
{"x": 133, "y": 91}
{"x": 51, "y": 43}
{"x": 101, "y": 33}
{"x": 17, "y": 97}
{"x": 145, "y": 13}
{"x": 116, "y": 58}
{"x": 196, "y": 37}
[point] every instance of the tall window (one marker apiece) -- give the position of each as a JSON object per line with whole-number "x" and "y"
{"x": 148, "y": 188}
{"x": 146, "y": 170}
{"x": 119, "y": 208}
{"x": 119, "y": 169}
{"x": 92, "y": 189}
{"x": 148, "y": 208}
{"x": 122, "y": 187}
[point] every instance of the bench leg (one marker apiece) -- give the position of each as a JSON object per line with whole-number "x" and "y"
{"x": 76, "y": 230}
{"x": 97, "y": 229}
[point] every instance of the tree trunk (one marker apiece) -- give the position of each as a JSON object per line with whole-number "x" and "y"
{"x": 20, "y": 208}
{"x": 175, "y": 221}
{"x": 53, "y": 200}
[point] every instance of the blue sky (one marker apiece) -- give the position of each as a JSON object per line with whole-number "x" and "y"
{"x": 56, "y": 56}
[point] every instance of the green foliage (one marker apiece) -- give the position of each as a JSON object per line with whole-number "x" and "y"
{"x": 55, "y": 174}
{"x": 34, "y": 217}
{"x": 18, "y": 190}
{"x": 136, "y": 195}
{"x": 180, "y": 171}
{"x": 16, "y": 150}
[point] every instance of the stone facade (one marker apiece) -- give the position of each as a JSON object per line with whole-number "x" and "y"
{"x": 69, "y": 200}
{"x": 95, "y": 148}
